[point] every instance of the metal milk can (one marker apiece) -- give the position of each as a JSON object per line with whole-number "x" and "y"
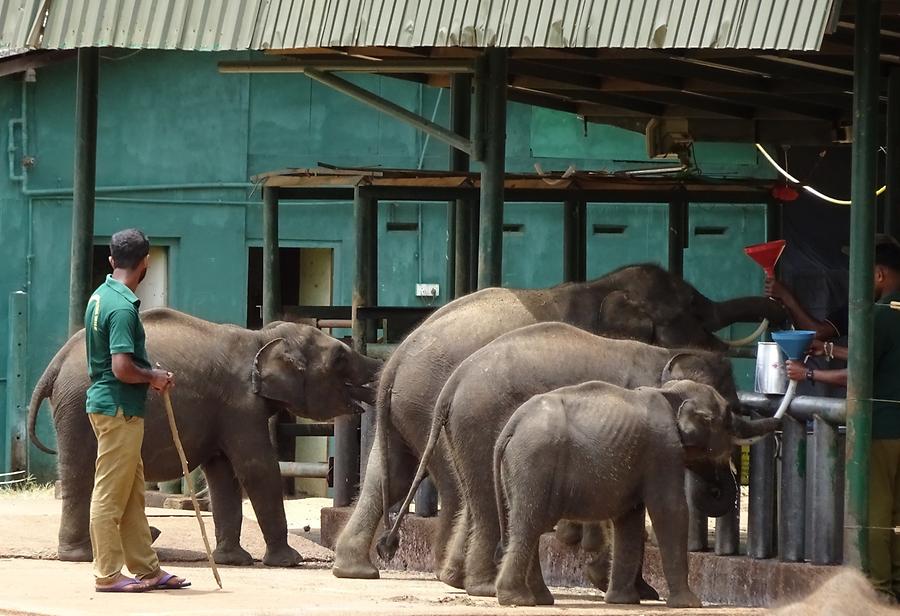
{"x": 771, "y": 373}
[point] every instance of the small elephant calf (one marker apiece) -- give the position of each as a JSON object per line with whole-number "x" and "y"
{"x": 600, "y": 452}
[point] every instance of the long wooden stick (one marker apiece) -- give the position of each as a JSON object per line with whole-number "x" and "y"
{"x": 190, "y": 483}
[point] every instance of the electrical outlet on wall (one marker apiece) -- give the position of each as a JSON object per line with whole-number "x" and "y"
{"x": 427, "y": 290}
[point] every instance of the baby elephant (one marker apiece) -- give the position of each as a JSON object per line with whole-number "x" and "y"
{"x": 595, "y": 452}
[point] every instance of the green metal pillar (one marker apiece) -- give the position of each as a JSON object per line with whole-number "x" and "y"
{"x": 862, "y": 230}
{"x": 460, "y": 238}
{"x": 271, "y": 267}
{"x": 83, "y": 185}
{"x": 492, "y": 101}
{"x": 574, "y": 241}
{"x": 891, "y": 202}
{"x": 15, "y": 441}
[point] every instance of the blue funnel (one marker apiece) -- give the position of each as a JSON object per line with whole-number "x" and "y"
{"x": 794, "y": 343}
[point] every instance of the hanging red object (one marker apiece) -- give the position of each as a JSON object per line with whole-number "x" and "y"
{"x": 783, "y": 192}
{"x": 766, "y": 255}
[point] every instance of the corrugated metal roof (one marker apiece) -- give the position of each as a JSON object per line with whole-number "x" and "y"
{"x": 203, "y": 25}
{"x": 283, "y": 24}
{"x": 636, "y": 24}
{"x": 16, "y": 17}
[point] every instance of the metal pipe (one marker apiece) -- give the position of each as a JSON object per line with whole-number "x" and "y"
{"x": 728, "y": 526}
{"x": 678, "y": 213}
{"x": 866, "y": 74}
{"x": 14, "y": 435}
{"x": 460, "y": 236}
{"x": 381, "y": 350}
{"x": 85, "y": 174}
{"x": 826, "y": 526}
{"x": 65, "y": 192}
{"x": 493, "y": 103}
{"x": 368, "y": 418}
{"x": 390, "y": 108}
{"x": 312, "y": 470}
{"x": 446, "y": 66}
{"x": 802, "y": 407}
{"x": 334, "y": 323}
{"x": 761, "y": 523}
{"x": 698, "y": 526}
{"x": 306, "y": 429}
{"x": 792, "y": 513}
{"x": 891, "y": 201}
{"x": 271, "y": 262}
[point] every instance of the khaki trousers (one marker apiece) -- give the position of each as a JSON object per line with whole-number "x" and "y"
{"x": 120, "y": 534}
{"x": 884, "y": 514}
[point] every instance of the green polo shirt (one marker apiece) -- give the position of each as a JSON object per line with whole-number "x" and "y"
{"x": 886, "y": 415}
{"x": 112, "y": 325}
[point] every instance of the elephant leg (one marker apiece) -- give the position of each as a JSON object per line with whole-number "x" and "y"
{"x": 628, "y": 555}
{"x": 521, "y": 567}
{"x": 351, "y": 551}
{"x": 225, "y": 498}
{"x": 77, "y": 447}
{"x": 256, "y": 465}
{"x": 484, "y": 535}
{"x": 594, "y": 537}
{"x": 448, "y": 554}
{"x": 536, "y": 583}
{"x": 597, "y": 571}
{"x": 669, "y": 514}
{"x": 453, "y": 573}
{"x": 568, "y": 532}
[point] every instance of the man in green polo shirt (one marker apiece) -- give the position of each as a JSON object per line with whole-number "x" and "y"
{"x": 884, "y": 462}
{"x": 120, "y": 374}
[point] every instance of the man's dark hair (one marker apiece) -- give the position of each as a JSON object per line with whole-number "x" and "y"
{"x": 888, "y": 255}
{"x": 128, "y": 247}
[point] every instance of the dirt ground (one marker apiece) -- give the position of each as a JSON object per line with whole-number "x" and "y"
{"x": 35, "y": 583}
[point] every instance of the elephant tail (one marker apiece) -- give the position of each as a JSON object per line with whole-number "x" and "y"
{"x": 389, "y": 542}
{"x": 44, "y": 389}
{"x": 499, "y": 492}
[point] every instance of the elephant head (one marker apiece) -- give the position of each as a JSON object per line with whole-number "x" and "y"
{"x": 709, "y": 430}
{"x": 311, "y": 374}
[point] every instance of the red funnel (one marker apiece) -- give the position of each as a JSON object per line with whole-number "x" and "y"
{"x": 766, "y": 255}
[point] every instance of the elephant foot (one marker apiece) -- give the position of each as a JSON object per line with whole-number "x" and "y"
{"x": 364, "y": 570}
{"x": 236, "y": 556}
{"x": 154, "y": 534}
{"x": 597, "y": 573}
{"x": 623, "y": 597}
{"x": 568, "y": 533}
{"x": 482, "y": 589}
{"x": 684, "y": 599}
{"x": 452, "y": 576}
{"x": 645, "y": 591}
{"x": 80, "y": 553}
{"x": 282, "y": 556}
{"x": 543, "y": 596}
{"x": 510, "y": 596}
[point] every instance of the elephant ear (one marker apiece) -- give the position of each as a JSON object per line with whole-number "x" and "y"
{"x": 667, "y": 371}
{"x": 276, "y": 375}
{"x": 623, "y": 318}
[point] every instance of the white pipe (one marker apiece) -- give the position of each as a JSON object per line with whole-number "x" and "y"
{"x": 786, "y": 401}
{"x": 759, "y": 331}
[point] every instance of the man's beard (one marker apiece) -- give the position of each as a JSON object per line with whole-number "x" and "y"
{"x": 143, "y": 275}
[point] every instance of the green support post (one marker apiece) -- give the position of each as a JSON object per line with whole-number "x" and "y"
{"x": 15, "y": 441}
{"x": 83, "y": 185}
{"x": 271, "y": 267}
{"x": 862, "y": 230}
{"x": 574, "y": 241}
{"x": 891, "y": 203}
{"x": 492, "y": 101}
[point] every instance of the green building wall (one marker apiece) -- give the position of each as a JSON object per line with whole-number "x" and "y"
{"x": 178, "y": 141}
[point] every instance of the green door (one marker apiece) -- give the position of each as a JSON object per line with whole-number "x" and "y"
{"x": 621, "y": 234}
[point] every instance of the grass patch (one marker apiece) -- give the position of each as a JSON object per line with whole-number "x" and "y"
{"x": 27, "y": 489}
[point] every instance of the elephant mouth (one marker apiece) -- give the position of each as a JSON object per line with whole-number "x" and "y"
{"x": 713, "y": 493}
{"x": 361, "y": 397}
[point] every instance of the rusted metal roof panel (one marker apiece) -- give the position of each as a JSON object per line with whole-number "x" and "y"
{"x": 208, "y": 25}
{"x": 634, "y": 24}
{"x": 202, "y": 25}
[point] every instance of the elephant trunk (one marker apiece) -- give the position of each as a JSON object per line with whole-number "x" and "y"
{"x": 745, "y": 431}
{"x": 711, "y": 489}
{"x": 747, "y": 310}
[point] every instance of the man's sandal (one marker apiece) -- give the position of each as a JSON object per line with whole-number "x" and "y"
{"x": 169, "y": 581}
{"x": 124, "y": 584}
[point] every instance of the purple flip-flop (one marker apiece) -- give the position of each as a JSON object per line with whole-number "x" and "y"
{"x": 163, "y": 583}
{"x": 125, "y": 584}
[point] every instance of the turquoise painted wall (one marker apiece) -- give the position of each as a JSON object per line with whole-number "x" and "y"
{"x": 169, "y": 120}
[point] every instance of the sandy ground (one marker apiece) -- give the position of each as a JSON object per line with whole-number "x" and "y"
{"x": 35, "y": 583}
